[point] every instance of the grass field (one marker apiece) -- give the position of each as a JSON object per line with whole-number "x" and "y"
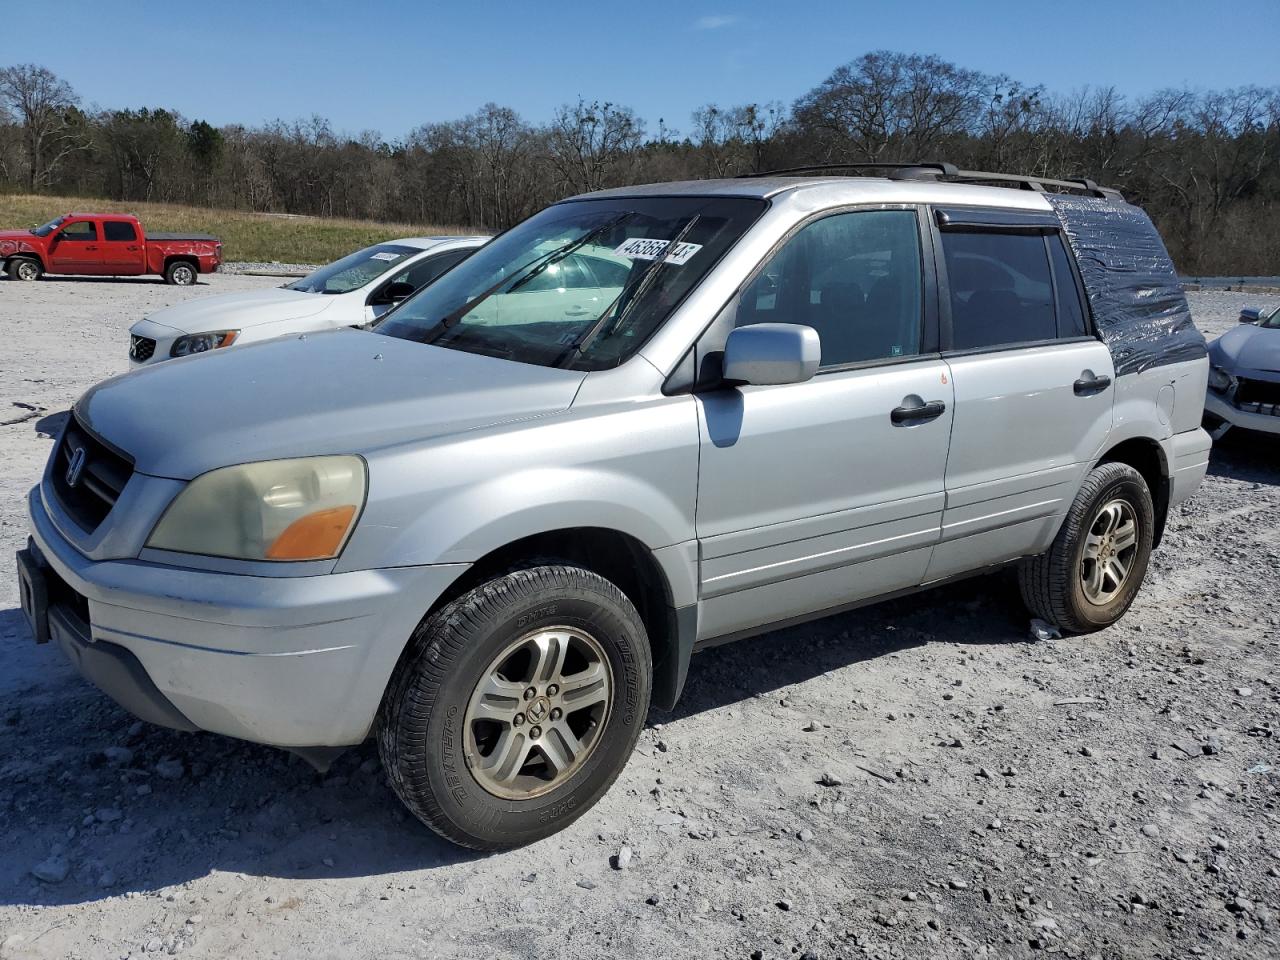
{"x": 245, "y": 236}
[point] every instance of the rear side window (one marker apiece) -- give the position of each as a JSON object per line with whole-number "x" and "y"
{"x": 1071, "y": 321}
{"x": 855, "y": 278}
{"x": 1001, "y": 289}
{"x": 118, "y": 231}
{"x": 80, "y": 230}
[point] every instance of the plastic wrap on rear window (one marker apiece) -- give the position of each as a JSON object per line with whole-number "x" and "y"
{"x": 1138, "y": 304}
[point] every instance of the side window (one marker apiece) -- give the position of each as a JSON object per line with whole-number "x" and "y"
{"x": 118, "y": 231}
{"x": 1071, "y": 322}
{"x": 569, "y": 274}
{"x": 81, "y": 230}
{"x": 420, "y": 274}
{"x": 1001, "y": 289}
{"x": 856, "y": 278}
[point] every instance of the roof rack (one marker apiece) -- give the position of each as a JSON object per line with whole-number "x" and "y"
{"x": 927, "y": 170}
{"x": 949, "y": 172}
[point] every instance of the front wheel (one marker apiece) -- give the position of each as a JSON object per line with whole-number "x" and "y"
{"x": 516, "y": 706}
{"x": 180, "y": 274}
{"x": 1091, "y": 574}
{"x": 25, "y": 269}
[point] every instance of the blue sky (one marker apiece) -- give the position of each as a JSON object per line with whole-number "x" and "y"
{"x": 392, "y": 66}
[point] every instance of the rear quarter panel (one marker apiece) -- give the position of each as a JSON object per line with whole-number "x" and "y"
{"x": 207, "y": 254}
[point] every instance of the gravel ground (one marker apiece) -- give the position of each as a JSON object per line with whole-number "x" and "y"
{"x": 272, "y": 268}
{"x": 915, "y": 779}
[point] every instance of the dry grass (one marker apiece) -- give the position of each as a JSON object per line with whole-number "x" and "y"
{"x": 245, "y": 236}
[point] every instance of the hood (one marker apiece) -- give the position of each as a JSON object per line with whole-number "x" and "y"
{"x": 1248, "y": 350}
{"x": 12, "y": 241}
{"x": 342, "y": 391}
{"x": 236, "y": 311}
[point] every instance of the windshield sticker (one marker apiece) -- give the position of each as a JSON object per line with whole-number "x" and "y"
{"x": 390, "y": 257}
{"x": 642, "y": 248}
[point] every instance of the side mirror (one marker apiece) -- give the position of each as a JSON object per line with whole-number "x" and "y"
{"x": 1257, "y": 314}
{"x": 395, "y": 292}
{"x": 771, "y": 353}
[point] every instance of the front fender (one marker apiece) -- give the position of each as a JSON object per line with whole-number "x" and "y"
{"x": 633, "y": 470}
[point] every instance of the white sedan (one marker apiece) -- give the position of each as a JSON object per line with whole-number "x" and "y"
{"x": 350, "y": 292}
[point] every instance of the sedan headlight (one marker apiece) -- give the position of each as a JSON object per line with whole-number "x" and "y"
{"x": 1219, "y": 380}
{"x": 203, "y": 342}
{"x": 274, "y": 510}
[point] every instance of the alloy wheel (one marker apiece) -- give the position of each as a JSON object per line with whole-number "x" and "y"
{"x": 538, "y": 712}
{"x": 1110, "y": 548}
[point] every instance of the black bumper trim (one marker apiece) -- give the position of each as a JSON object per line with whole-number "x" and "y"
{"x": 115, "y": 671}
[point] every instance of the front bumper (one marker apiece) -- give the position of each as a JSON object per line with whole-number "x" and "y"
{"x": 162, "y": 338}
{"x": 287, "y": 661}
{"x": 1220, "y": 407}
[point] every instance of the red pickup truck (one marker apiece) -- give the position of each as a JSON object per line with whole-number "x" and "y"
{"x": 106, "y": 244}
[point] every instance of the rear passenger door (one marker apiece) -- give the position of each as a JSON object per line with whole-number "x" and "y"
{"x": 122, "y": 253}
{"x": 813, "y": 495}
{"x": 1033, "y": 393}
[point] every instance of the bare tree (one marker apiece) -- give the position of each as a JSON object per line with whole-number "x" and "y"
{"x": 45, "y": 106}
{"x": 591, "y": 143}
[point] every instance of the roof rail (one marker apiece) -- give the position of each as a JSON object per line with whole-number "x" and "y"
{"x": 949, "y": 172}
{"x": 1031, "y": 182}
{"x": 927, "y": 169}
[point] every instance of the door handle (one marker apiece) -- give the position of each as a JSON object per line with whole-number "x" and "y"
{"x": 917, "y": 412}
{"x": 1088, "y": 385}
{"x": 131, "y": 249}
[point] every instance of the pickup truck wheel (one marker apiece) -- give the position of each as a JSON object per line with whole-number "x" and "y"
{"x": 180, "y": 274}
{"x": 516, "y": 706}
{"x": 23, "y": 268}
{"x": 1091, "y": 574}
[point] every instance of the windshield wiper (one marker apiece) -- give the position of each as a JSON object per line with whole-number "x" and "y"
{"x": 588, "y": 336}
{"x": 533, "y": 270}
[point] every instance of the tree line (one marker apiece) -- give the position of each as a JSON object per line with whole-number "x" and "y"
{"x": 1203, "y": 163}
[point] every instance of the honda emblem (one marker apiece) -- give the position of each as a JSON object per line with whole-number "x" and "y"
{"x": 76, "y": 466}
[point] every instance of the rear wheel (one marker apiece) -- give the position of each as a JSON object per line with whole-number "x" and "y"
{"x": 23, "y": 268}
{"x": 516, "y": 706}
{"x": 1091, "y": 574}
{"x": 180, "y": 274}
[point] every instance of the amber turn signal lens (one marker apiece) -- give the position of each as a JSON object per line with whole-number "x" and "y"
{"x": 317, "y": 536}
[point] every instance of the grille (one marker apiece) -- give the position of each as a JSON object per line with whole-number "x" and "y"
{"x": 88, "y": 492}
{"x": 1258, "y": 396}
{"x": 141, "y": 348}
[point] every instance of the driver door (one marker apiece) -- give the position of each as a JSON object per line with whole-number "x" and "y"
{"x": 815, "y": 495}
{"x": 75, "y": 249}
{"x": 416, "y": 275}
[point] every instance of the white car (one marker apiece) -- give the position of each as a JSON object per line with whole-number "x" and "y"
{"x": 351, "y": 292}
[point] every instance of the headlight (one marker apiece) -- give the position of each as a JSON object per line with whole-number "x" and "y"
{"x": 274, "y": 510}
{"x": 203, "y": 342}
{"x": 1220, "y": 380}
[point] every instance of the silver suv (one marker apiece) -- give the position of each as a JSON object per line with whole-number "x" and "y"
{"x": 642, "y": 422}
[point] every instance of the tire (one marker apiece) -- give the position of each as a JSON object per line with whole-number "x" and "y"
{"x": 180, "y": 273}
{"x": 1057, "y": 585}
{"x": 433, "y": 728}
{"x": 25, "y": 269}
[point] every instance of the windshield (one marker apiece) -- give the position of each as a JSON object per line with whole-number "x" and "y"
{"x": 356, "y": 270}
{"x": 582, "y": 284}
{"x": 1272, "y": 322}
{"x": 47, "y": 228}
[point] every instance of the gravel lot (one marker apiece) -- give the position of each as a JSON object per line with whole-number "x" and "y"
{"x": 915, "y": 779}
